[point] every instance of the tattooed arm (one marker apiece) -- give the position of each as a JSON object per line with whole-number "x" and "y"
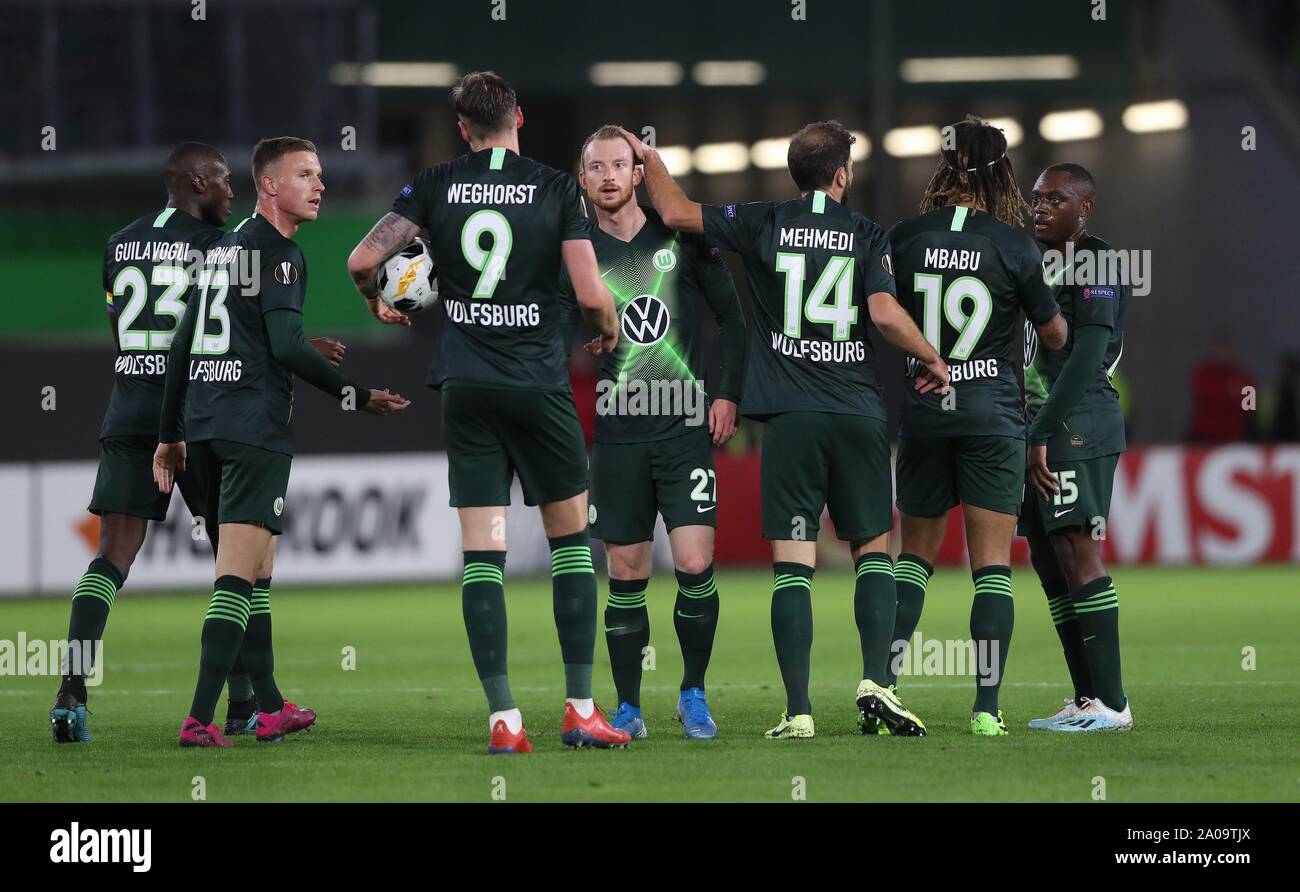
{"x": 390, "y": 234}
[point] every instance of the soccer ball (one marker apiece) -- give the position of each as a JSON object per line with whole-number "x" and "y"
{"x": 408, "y": 281}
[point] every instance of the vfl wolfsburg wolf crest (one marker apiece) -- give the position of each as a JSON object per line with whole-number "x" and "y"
{"x": 645, "y": 320}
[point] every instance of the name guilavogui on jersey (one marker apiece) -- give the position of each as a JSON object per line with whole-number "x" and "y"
{"x": 651, "y": 387}
{"x": 966, "y": 277}
{"x": 495, "y": 222}
{"x": 238, "y": 391}
{"x": 1095, "y": 427}
{"x": 811, "y": 264}
{"x": 148, "y": 269}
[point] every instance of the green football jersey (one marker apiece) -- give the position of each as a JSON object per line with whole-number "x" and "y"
{"x": 811, "y": 264}
{"x": 1095, "y": 427}
{"x": 238, "y": 391}
{"x": 966, "y": 278}
{"x": 147, "y": 276}
{"x": 651, "y": 387}
{"x": 495, "y": 222}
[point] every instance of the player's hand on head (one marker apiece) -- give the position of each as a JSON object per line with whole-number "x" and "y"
{"x": 386, "y": 314}
{"x": 330, "y": 348}
{"x": 1039, "y": 474}
{"x": 382, "y": 402}
{"x": 638, "y": 147}
{"x": 168, "y": 460}
{"x": 722, "y": 421}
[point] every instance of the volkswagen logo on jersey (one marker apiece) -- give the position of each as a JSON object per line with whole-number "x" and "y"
{"x": 1031, "y": 344}
{"x": 286, "y": 273}
{"x": 645, "y": 320}
{"x": 664, "y": 260}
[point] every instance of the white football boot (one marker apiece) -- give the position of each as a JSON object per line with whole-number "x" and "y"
{"x": 1095, "y": 716}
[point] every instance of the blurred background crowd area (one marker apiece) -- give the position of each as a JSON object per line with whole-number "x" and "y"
{"x": 1187, "y": 112}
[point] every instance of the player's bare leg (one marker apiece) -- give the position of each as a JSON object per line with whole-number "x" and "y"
{"x": 992, "y": 613}
{"x": 120, "y": 538}
{"x": 242, "y": 549}
{"x": 627, "y": 629}
{"x": 483, "y": 605}
{"x": 695, "y": 617}
{"x": 573, "y": 588}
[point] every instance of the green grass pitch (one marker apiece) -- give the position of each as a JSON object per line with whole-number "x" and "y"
{"x": 409, "y": 722}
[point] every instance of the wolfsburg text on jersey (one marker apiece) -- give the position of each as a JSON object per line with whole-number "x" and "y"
{"x": 216, "y": 371}
{"x": 494, "y": 315}
{"x": 819, "y": 351}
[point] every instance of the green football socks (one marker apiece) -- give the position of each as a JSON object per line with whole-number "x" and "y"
{"x": 223, "y": 634}
{"x": 627, "y": 634}
{"x": 695, "y": 616}
{"x": 573, "y": 589}
{"x": 792, "y": 631}
{"x": 92, "y": 600}
{"x": 911, "y": 577}
{"x": 875, "y": 604}
{"x": 992, "y": 616}
{"x": 1061, "y": 606}
{"x": 483, "y": 604}
{"x": 256, "y": 651}
{"x": 1096, "y": 607}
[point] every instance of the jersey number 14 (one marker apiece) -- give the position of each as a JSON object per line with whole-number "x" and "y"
{"x": 830, "y": 301}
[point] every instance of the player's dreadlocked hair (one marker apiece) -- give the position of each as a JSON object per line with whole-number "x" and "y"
{"x": 975, "y": 164}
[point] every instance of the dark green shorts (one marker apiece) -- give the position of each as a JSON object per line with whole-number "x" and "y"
{"x": 632, "y": 482}
{"x": 937, "y": 473}
{"x": 124, "y": 483}
{"x": 813, "y": 460}
{"x": 494, "y": 433}
{"x": 1084, "y": 499}
{"x": 244, "y": 484}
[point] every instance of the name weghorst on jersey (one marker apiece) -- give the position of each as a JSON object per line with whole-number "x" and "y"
{"x": 496, "y": 221}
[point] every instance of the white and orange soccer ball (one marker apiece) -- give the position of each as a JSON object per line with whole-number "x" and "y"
{"x": 408, "y": 281}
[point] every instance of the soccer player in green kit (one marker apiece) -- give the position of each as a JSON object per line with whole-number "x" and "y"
{"x": 655, "y": 427}
{"x": 968, "y": 270}
{"x": 1075, "y": 440}
{"x": 226, "y": 411}
{"x": 500, "y": 225}
{"x": 145, "y": 283}
{"x": 814, "y": 266}
{"x": 147, "y": 269}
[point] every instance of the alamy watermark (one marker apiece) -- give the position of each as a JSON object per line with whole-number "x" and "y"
{"x": 675, "y": 397}
{"x": 947, "y": 656}
{"x": 55, "y": 658}
{"x": 1110, "y": 268}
